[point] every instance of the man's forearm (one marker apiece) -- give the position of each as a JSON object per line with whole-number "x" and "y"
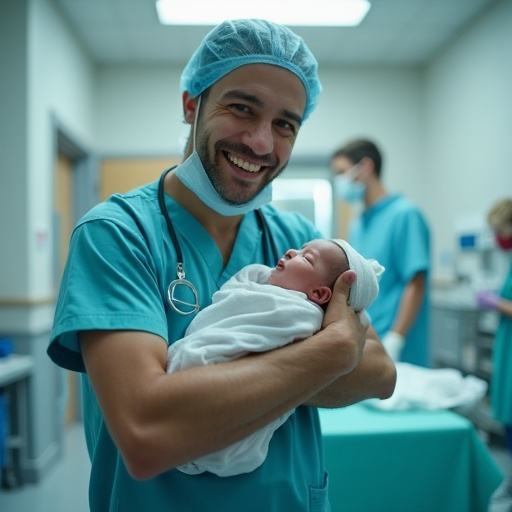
{"x": 504, "y": 307}
{"x": 410, "y": 304}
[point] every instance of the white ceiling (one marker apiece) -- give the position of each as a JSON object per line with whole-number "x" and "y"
{"x": 395, "y": 32}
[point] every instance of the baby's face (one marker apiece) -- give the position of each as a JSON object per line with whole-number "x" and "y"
{"x": 316, "y": 264}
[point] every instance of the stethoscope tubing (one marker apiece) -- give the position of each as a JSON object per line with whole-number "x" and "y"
{"x": 188, "y": 308}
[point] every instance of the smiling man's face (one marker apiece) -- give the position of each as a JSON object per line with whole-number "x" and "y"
{"x": 248, "y": 123}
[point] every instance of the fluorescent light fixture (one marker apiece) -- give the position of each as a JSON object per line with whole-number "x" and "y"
{"x": 344, "y": 13}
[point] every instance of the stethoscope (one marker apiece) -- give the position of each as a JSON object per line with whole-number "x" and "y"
{"x": 188, "y": 307}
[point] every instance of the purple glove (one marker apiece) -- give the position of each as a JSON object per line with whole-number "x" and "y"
{"x": 487, "y": 300}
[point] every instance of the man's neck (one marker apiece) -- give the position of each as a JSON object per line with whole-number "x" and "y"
{"x": 222, "y": 229}
{"x": 374, "y": 193}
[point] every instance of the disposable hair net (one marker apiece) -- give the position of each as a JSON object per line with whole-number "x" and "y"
{"x": 236, "y": 43}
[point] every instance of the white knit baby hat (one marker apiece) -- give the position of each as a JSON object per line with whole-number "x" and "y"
{"x": 366, "y": 288}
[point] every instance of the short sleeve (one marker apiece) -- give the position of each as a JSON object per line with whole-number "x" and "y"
{"x": 110, "y": 283}
{"x": 414, "y": 244}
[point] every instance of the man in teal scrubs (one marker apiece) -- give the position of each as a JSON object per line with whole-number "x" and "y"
{"x": 246, "y": 92}
{"x": 499, "y": 218}
{"x": 392, "y": 230}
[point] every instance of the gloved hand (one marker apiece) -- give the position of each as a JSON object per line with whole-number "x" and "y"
{"x": 393, "y": 343}
{"x": 487, "y": 300}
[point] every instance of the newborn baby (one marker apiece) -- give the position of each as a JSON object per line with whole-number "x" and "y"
{"x": 262, "y": 308}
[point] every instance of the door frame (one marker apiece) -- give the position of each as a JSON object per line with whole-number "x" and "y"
{"x": 84, "y": 178}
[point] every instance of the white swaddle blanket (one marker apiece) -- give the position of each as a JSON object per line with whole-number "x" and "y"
{"x": 431, "y": 389}
{"x": 246, "y": 315}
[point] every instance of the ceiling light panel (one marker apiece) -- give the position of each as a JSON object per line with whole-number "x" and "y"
{"x": 326, "y": 13}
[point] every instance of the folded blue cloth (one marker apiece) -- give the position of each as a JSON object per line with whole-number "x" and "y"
{"x": 5, "y": 347}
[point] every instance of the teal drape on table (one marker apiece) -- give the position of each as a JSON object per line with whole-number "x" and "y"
{"x": 403, "y": 461}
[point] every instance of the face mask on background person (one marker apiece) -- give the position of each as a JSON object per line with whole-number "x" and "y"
{"x": 504, "y": 241}
{"x": 347, "y": 189}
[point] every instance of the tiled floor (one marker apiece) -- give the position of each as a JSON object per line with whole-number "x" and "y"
{"x": 64, "y": 489}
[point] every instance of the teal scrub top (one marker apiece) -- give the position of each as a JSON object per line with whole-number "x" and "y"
{"x": 501, "y": 380}
{"x": 120, "y": 263}
{"x": 394, "y": 232}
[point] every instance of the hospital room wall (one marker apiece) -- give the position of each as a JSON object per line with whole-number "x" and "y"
{"x": 47, "y": 80}
{"x": 468, "y": 127}
{"x": 442, "y": 127}
{"x": 13, "y": 142}
{"x": 439, "y": 126}
{"x": 55, "y": 84}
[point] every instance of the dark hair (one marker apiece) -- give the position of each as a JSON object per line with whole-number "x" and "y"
{"x": 358, "y": 149}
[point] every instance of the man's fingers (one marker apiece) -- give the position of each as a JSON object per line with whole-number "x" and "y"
{"x": 340, "y": 295}
{"x": 344, "y": 282}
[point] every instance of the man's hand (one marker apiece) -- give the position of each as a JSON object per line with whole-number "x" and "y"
{"x": 393, "y": 343}
{"x": 487, "y": 300}
{"x": 369, "y": 372}
{"x": 340, "y": 318}
{"x": 340, "y": 296}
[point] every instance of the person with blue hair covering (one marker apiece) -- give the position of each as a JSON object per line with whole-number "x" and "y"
{"x": 237, "y": 43}
{"x": 143, "y": 263}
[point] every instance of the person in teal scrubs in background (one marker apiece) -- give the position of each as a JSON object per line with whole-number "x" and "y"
{"x": 392, "y": 230}
{"x": 500, "y": 220}
{"x": 141, "y": 263}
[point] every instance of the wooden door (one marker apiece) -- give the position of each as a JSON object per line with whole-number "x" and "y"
{"x": 344, "y": 217}
{"x": 122, "y": 174}
{"x": 63, "y": 209}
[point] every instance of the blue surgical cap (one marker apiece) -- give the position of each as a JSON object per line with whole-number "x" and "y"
{"x": 236, "y": 43}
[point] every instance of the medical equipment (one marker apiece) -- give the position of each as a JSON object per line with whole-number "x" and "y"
{"x": 188, "y": 307}
{"x": 479, "y": 265}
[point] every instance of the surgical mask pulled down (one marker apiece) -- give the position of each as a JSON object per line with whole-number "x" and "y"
{"x": 191, "y": 172}
{"x": 347, "y": 189}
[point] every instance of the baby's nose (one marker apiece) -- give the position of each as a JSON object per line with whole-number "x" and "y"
{"x": 291, "y": 253}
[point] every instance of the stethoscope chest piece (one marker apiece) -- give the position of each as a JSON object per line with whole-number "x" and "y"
{"x": 183, "y": 297}
{"x": 182, "y": 294}
{"x": 183, "y": 306}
